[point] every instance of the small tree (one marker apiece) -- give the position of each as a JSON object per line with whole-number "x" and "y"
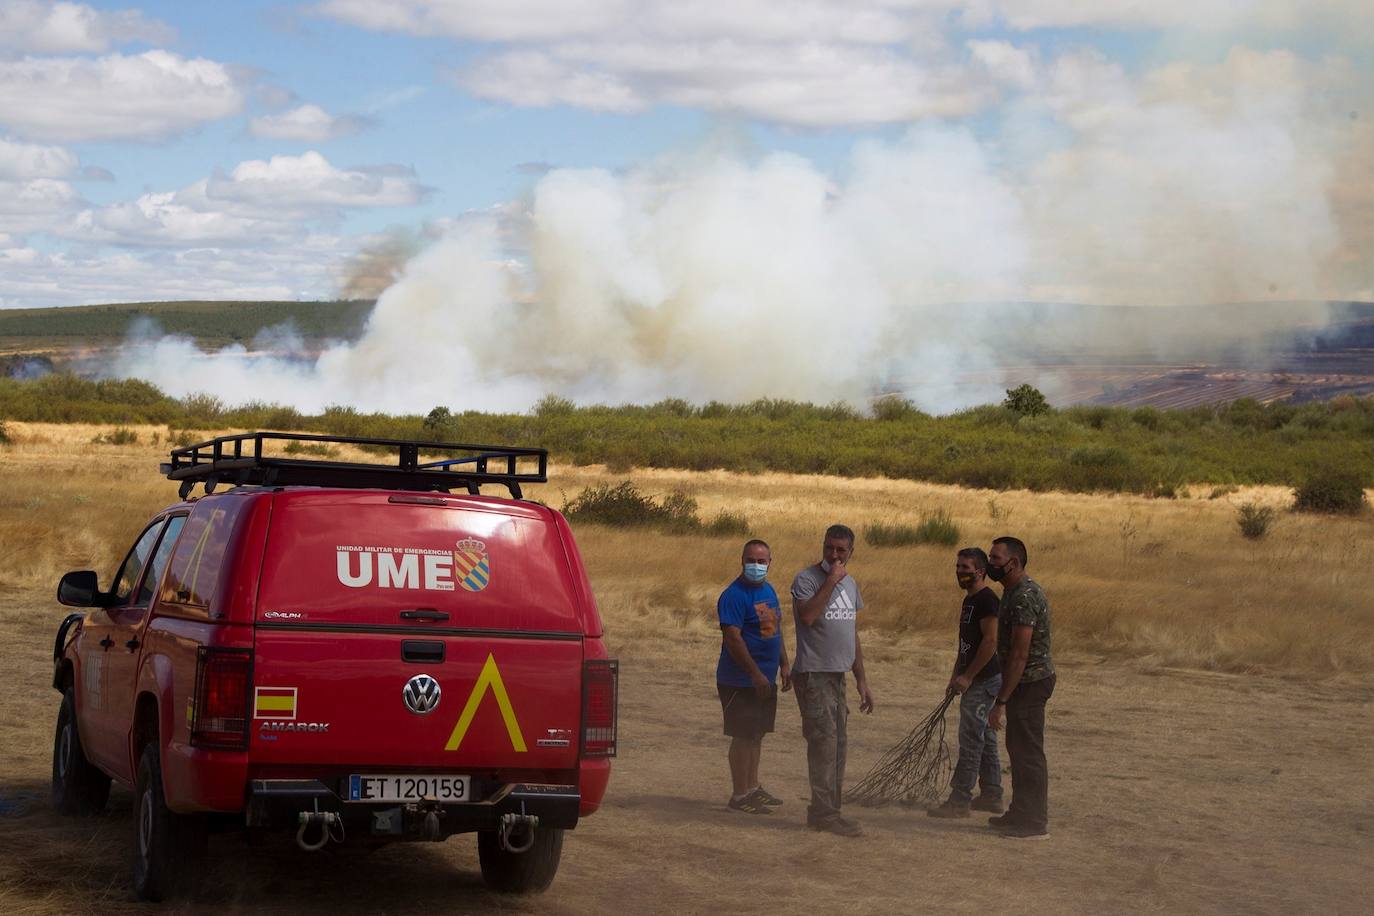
{"x": 440, "y": 423}
{"x": 1026, "y": 400}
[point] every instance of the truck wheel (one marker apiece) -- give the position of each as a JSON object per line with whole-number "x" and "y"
{"x": 78, "y": 787}
{"x": 165, "y": 844}
{"x": 527, "y": 872}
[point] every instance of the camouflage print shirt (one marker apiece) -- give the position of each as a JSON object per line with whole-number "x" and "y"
{"x": 1026, "y": 605}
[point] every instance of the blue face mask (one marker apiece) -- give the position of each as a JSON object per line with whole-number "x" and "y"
{"x": 755, "y": 572}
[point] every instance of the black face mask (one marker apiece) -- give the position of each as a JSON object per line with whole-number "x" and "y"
{"x": 966, "y": 580}
{"x": 997, "y": 573}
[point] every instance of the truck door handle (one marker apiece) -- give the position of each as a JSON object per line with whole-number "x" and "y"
{"x": 422, "y": 651}
{"x": 424, "y": 613}
{"x": 132, "y": 644}
{"x": 107, "y": 642}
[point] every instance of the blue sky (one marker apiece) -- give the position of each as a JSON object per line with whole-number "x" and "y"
{"x": 253, "y": 149}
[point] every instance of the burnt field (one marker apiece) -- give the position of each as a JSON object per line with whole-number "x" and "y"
{"x": 1155, "y": 358}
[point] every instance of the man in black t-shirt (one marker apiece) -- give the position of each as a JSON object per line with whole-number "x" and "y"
{"x": 977, "y": 677}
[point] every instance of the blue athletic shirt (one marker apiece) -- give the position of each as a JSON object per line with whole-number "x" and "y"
{"x": 754, "y": 609}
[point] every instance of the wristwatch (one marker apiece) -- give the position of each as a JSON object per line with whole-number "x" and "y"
{"x": 999, "y": 702}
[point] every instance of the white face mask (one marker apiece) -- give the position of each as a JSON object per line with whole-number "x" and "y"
{"x": 825, "y": 565}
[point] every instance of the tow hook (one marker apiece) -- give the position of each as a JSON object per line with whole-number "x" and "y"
{"x": 517, "y": 832}
{"x": 328, "y": 823}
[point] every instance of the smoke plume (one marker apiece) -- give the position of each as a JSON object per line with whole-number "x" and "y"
{"x": 720, "y": 276}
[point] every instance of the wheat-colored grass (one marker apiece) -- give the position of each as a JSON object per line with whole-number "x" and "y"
{"x": 1167, "y": 582}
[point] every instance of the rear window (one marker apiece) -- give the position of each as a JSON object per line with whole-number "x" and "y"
{"x": 366, "y": 557}
{"x": 194, "y": 573}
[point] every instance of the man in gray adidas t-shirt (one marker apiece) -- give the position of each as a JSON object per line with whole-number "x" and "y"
{"x": 825, "y": 608}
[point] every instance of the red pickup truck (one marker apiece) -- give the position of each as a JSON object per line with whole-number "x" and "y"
{"x": 352, "y": 651}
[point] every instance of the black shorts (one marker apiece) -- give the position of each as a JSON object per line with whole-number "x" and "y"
{"x": 746, "y": 716}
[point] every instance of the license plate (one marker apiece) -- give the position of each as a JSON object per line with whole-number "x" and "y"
{"x": 404, "y": 787}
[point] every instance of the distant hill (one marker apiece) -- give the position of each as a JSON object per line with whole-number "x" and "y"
{"x": 211, "y": 323}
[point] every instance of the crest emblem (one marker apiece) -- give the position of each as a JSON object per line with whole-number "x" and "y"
{"x": 471, "y": 565}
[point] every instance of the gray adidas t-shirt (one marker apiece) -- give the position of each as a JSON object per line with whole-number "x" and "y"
{"x": 828, "y": 644}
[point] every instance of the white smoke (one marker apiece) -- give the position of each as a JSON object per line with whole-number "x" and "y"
{"x": 714, "y": 276}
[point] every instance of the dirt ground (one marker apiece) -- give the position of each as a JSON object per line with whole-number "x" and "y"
{"x": 1172, "y": 791}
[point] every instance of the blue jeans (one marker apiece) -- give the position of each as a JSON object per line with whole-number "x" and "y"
{"x": 978, "y": 762}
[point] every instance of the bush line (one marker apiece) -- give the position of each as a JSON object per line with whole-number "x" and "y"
{"x": 1077, "y": 449}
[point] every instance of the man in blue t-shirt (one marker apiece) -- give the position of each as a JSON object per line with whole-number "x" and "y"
{"x": 751, "y": 656}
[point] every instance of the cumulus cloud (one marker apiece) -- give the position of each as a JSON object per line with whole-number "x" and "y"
{"x": 272, "y": 199}
{"x": 142, "y": 97}
{"x": 41, "y": 27}
{"x": 805, "y": 84}
{"x": 815, "y": 62}
{"x": 310, "y": 184}
{"x": 20, "y": 160}
{"x": 307, "y": 123}
{"x": 812, "y": 63}
{"x": 1185, "y": 15}
{"x": 36, "y": 205}
{"x": 307, "y": 268}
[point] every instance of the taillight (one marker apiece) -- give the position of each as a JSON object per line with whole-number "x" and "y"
{"x": 600, "y": 678}
{"x": 223, "y": 681}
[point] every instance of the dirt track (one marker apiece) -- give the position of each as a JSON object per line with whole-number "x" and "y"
{"x": 1172, "y": 791}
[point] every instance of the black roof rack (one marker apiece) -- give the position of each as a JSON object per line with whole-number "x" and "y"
{"x": 240, "y": 460}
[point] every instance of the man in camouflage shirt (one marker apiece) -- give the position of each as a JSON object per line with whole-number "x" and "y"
{"x": 1023, "y": 648}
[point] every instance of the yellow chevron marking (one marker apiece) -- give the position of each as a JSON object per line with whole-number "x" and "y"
{"x": 489, "y": 679}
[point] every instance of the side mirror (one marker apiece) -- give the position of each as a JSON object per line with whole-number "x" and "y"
{"x": 79, "y": 589}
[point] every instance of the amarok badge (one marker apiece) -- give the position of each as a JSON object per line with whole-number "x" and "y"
{"x": 471, "y": 565}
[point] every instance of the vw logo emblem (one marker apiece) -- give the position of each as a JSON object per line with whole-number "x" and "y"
{"x": 421, "y": 694}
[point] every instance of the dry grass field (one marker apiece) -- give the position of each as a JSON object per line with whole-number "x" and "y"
{"x": 1209, "y": 740}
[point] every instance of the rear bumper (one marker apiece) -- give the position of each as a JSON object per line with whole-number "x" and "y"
{"x": 279, "y": 802}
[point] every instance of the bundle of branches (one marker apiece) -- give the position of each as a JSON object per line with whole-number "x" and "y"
{"x": 915, "y": 770}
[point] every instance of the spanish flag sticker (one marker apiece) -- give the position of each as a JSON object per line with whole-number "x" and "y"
{"x": 274, "y": 702}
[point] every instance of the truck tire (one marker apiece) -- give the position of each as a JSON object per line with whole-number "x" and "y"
{"x": 78, "y": 786}
{"x": 165, "y": 844}
{"x": 528, "y": 872}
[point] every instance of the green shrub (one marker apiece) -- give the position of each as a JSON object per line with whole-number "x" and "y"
{"x": 296, "y": 447}
{"x": 935, "y": 528}
{"x": 938, "y": 528}
{"x": 1218, "y": 492}
{"x": 203, "y": 409}
{"x": 1331, "y": 490}
{"x": 894, "y": 407}
{"x": 1254, "y": 520}
{"x": 728, "y": 524}
{"x": 179, "y": 438}
{"x": 4, "y": 433}
{"x": 552, "y": 405}
{"x": 885, "y": 534}
{"x": 1026, "y": 400}
{"x": 623, "y": 505}
{"x": 120, "y": 435}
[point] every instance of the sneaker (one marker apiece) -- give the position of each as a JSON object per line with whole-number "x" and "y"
{"x": 986, "y": 802}
{"x": 748, "y": 804}
{"x": 1005, "y": 820}
{"x": 839, "y": 826}
{"x": 1024, "y": 832}
{"x": 764, "y": 797}
{"x": 950, "y": 808}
